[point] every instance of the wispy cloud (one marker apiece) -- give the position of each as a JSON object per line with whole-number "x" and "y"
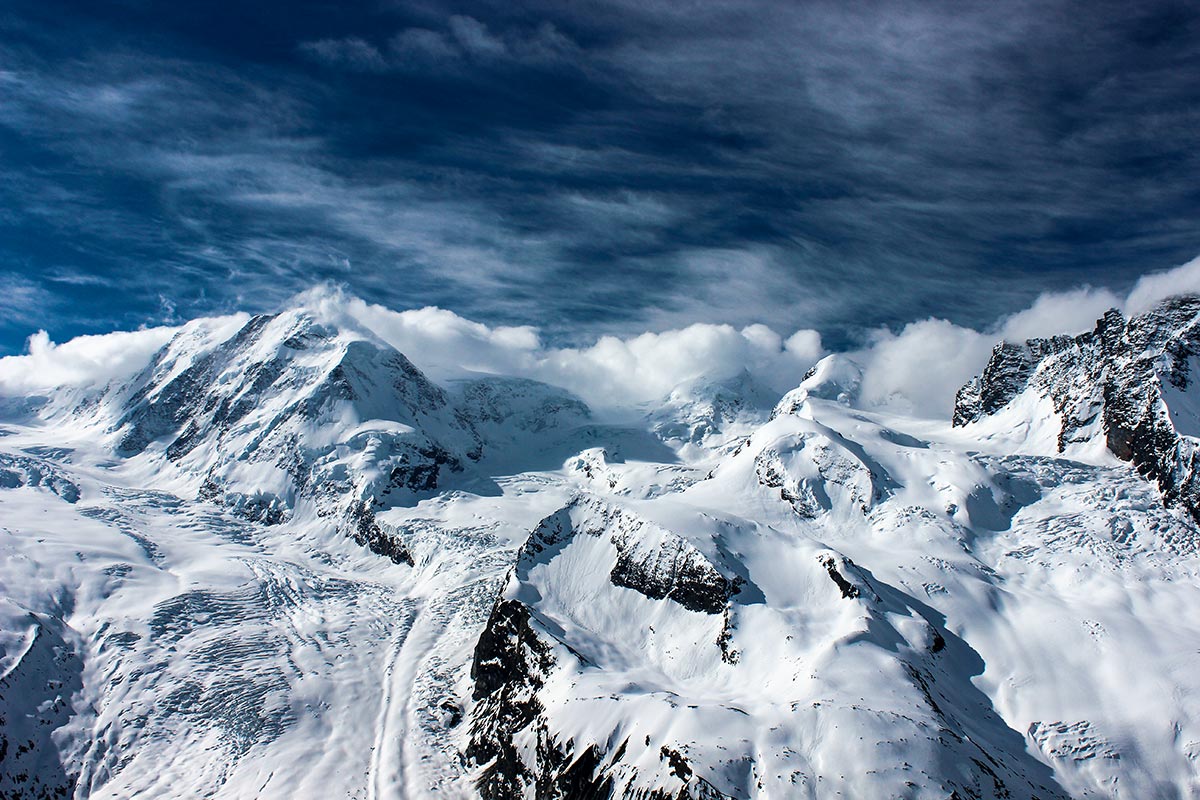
{"x": 21, "y": 301}
{"x": 463, "y": 39}
{"x": 599, "y": 167}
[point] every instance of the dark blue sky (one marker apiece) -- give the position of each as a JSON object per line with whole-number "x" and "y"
{"x": 590, "y": 167}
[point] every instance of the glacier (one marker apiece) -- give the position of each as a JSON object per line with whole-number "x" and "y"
{"x": 282, "y": 561}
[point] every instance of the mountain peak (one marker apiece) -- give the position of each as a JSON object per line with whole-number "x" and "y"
{"x": 697, "y": 410}
{"x": 286, "y": 409}
{"x": 1124, "y": 385}
{"x": 835, "y": 377}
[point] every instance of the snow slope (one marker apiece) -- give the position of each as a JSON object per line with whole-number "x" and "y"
{"x": 282, "y": 562}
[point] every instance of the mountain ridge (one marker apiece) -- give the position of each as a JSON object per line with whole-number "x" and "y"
{"x": 281, "y": 523}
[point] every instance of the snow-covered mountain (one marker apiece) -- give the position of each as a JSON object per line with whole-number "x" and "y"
{"x": 704, "y": 413}
{"x": 282, "y": 561}
{"x": 1129, "y": 386}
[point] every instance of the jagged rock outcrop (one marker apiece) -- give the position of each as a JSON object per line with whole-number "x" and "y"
{"x": 547, "y": 722}
{"x": 512, "y": 735}
{"x": 1130, "y": 382}
{"x": 366, "y": 529}
{"x": 511, "y": 665}
{"x": 512, "y": 738}
{"x": 648, "y": 558}
{"x": 36, "y": 691}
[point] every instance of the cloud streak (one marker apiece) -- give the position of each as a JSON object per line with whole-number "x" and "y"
{"x": 596, "y": 168}
{"x": 465, "y": 39}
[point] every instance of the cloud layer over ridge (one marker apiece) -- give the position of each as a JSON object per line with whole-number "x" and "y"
{"x": 916, "y": 370}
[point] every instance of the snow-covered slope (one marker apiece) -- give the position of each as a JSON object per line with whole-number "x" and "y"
{"x": 706, "y": 413}
{"x": 294, "y": 408}
{"x": 723, "y": 601}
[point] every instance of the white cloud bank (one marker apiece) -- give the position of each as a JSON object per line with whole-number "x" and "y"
{"x": 611, "y": 373}
{"x": 1151, "y": 288}
{"x": 918, "y": 370}
{"x": 915, "y": 371}
{"x": 82, "y": 361}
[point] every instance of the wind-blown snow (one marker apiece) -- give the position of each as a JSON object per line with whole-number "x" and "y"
{"x": 1157, "y": 286}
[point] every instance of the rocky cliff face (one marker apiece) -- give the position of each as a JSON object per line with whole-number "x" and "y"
{"x": 35, "y": 698}
{"x": 649, "y": 559}
{"x": 581, "y": 688}
{"x": 1129, "y": 383}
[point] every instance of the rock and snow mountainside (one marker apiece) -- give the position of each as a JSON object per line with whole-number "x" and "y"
{"x": 1129, "y": 384}
{"x": 704, "y": 413}
{"x": 283, "y": 562}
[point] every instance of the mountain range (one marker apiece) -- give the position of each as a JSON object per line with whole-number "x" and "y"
{"x": 282, "y": 561}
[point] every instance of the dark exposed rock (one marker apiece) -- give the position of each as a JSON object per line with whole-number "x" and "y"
{"x": 679, "y": 764}
{"x": 35, "y": 701}
{"x": 1113, "y": 382}
{"x": 574, "y": 777}
{"x": 368, "y": 532}
{"x": 453, "y": 712}
{"x": 677, "y": 571}
{"x": 654, "y": 562}
{"x": 511, "y": 738}
{"x": 725, "y": 641}
{"x": 513, "y": 660}
{"x": 511, "y": 664}
{"x": 848, "y": 589}
{"x": 1005, "y": 376}
{"x": 420, "y": 470}
{"x": 509, "y": 650}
